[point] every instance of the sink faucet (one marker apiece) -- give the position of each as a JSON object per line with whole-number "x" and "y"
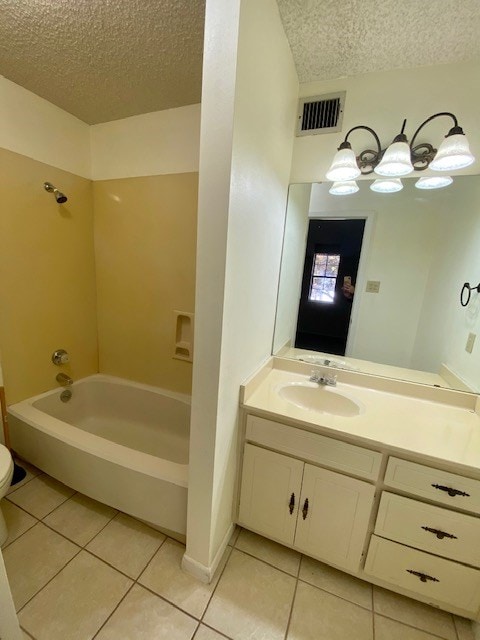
{"x": 324, "y": 380}
{"x": 63, "y": 379}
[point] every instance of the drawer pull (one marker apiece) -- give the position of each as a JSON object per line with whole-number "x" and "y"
{"x": 424, "y": 577}
{"x": 451, "y": 492}
{"x": 291, "y": 505}
{"x": 305, "y": 509}
{"x": 440, "y": 534}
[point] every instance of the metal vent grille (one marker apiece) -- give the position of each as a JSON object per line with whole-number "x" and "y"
{"x": 320, "y": 114}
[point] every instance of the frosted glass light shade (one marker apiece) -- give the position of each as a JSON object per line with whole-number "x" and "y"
{"x": 396, "y": 161}
{"x": 387, "y": 185}
{"x": 453, "y": 153}
{"x": 433, "y": 182}
{"x": 343, "y": 188}
{"x": 344, "y": 166}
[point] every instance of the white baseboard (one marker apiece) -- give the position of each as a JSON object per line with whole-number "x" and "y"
{"x": 201, "y": 571}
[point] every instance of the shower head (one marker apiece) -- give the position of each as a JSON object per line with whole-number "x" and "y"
{"x": 59, "y": 196}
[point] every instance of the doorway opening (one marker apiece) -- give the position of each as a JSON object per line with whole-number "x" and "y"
{"x": 330, "y": 270}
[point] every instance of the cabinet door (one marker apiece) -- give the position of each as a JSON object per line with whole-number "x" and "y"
{"x": 271, "y": 486}
{"x": 333, "y": 517}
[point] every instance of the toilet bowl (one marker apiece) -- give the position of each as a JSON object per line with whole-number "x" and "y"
{"x": 6, "y": 473}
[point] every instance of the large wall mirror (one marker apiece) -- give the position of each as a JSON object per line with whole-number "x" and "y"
{"x": 372, "y": 281}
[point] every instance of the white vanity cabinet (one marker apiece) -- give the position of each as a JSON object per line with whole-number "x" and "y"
{"x": 318, "y": 511}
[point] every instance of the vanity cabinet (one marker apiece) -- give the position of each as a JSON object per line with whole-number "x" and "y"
{"x": 317, "y": 511}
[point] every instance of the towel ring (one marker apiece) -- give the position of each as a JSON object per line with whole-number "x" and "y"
{"x": 464, "y": 300}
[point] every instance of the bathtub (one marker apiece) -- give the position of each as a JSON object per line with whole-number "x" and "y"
{"x": 119, "y": 442}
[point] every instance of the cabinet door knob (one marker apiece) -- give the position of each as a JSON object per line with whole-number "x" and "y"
{"x": 424, "y": 577}
{"x": 305, "y": 509}
{"x": 451, "y": 492}
{"x": 440, "y": 534}
{"x": 291, "y": 504}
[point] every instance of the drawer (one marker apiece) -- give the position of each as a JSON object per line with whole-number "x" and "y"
{"x": 313, "y": 447}
{"x": 404, "y": 567}
{"x": 446, "y": 533}
{"x": 441, "y": 486}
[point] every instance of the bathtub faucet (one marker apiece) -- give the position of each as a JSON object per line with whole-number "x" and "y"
{"x": 63, "y": 379}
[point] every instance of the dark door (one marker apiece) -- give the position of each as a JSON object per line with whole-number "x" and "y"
{"x": 331, "y": 264}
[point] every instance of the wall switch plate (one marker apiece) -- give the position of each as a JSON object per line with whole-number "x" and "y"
{"x": 373, "y": 286}
{"x": 470, "y": 342}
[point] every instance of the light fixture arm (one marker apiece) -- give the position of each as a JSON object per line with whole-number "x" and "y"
{"x": 368, "y": 158}
{"x": 423, "y": 153}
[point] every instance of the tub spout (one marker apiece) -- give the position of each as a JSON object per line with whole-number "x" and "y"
{"x": 63, "y": 379}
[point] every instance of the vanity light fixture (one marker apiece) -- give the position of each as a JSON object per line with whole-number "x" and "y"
{"x": 343, "y": 188}
{"x": 386, "y": 185}
{"x": 433, "y": 182}
{"x": 401, "y": 158}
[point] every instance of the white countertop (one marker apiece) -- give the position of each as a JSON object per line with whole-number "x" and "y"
{"x": 447, "y": 430}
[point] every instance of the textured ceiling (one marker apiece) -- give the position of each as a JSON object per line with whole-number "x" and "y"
{"x": 335, "y": 38}
{"x": 105, "y": 59}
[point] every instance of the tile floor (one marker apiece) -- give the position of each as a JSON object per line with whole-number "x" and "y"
{"x": 80, "y": 570}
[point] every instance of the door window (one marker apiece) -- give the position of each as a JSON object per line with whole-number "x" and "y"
{"x": 324, "y": 277}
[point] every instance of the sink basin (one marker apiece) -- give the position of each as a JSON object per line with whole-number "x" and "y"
{"x": 320, "y": 399}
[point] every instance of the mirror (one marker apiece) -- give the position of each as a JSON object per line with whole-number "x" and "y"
{"x": 418, "y": 249}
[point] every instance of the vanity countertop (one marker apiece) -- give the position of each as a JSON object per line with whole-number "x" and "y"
{"x": 440, "y": 424}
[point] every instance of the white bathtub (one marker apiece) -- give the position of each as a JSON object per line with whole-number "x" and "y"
{"x": 119, "y": 442}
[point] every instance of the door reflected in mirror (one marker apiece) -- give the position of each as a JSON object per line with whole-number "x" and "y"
{"x": 372, "y": 281}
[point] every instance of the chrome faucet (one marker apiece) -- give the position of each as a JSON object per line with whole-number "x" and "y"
{"x": 63, "y": 379}
{"x": 324, "y": 380}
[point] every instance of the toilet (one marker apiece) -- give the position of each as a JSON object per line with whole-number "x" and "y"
{"x": 6, "y": 473}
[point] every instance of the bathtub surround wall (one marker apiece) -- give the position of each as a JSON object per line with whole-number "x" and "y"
{"x": 49, "y": 289}
{"x": 145, "y": 233}
{"x": 248, "y": 115}
{"x": 48, "y": 298}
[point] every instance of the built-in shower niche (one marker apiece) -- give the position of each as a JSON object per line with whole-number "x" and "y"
{"x": 183, "y": 347}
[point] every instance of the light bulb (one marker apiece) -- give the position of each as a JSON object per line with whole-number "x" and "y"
{"x": 396, "y": 161}
{"x": 387, "y": 185}
{"x": 433, "y": 182}
{"x": 453, "y": 153}
{"x": 344, "y": 166}
{"x": 344, "y": 188}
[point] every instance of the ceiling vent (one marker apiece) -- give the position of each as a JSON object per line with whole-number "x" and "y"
{"x": 320, "y": 114}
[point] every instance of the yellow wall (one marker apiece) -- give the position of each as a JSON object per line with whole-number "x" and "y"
{"x": 145, "y": 233}
{"x": 47, "y": 276}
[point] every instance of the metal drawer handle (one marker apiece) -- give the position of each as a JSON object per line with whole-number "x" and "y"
{"x": 440, "y": 534}
{"x": 424, "y": 577}
{"x": 305, "y": 509}
{"x": 291, "y": 505}
{"x": 451, "y": 492}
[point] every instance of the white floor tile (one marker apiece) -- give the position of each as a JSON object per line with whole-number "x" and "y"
{"x": 336, "y": 582}
{"x": 18, "y": 521}
{"x": 41, "y": 495}
{"x": 386, "y": 629}
{"x": 205, "y": 633}
{"x": 165, "y": 576}
{"x": 144, "y": 616}
{"x": 75, "y": 604}
{"x": 318, "y": 615}
{"x": 126, "y": 544}
{"x": 32, "y": 472}
{"x": 80, "y": 518}
{"x": 414, "y": 613}
{"x": 252, "y": 600}
{"x": 33, "y": 559}
{"x": 275, "y": 554}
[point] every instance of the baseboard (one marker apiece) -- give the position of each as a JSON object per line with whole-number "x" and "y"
{"x": 203, "y": 572}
